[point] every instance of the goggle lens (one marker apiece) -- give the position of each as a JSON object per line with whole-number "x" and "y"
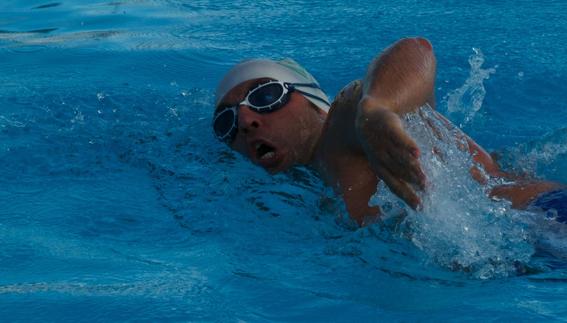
{"x": 266, "y": 95}
{"x": 224, "y": 122}
{"x": 265, "y": 98}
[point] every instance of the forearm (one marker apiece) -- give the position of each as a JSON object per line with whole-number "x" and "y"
{"x": 401, "y": 78}
{"x": 523, "y": 192}
{"x": 398, "y": 81}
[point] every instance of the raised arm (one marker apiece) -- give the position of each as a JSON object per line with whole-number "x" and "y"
{"x": 398, "y": 81}
{"x": 401, "y": 78}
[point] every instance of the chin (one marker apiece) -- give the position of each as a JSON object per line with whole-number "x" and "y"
{"x": 283, "y": 166}
{"x": 276, "y": 170}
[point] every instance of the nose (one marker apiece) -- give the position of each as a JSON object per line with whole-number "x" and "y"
{"x": 248, "y": 120}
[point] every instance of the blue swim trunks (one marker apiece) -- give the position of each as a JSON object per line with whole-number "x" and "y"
{"x": 554, "y": 200}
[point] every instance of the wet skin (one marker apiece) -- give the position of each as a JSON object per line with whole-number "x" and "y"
{"x": 362, "y": 140}
{"x": 290, "y": 134}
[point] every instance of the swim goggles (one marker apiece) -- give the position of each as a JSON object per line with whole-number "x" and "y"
{"x": 266, "y": 97}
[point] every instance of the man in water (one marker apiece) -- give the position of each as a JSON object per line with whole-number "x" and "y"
{"x": 275, "y": 114}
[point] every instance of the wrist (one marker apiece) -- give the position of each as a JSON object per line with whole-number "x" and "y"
{"x": 369, "y": 103}
{"x": 372, "y": 116}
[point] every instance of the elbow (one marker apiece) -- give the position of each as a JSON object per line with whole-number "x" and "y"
{"x": 411, "y": 57}
{"x": 420, "y": 44}
{"x": 419, "y": 61}
{"x": 402, "y": 77}
{"x": 426, "y": 50}
{"x": 416, "y": 49}
{"x": 423, "y": 43}
{"x": 428, "y": 55}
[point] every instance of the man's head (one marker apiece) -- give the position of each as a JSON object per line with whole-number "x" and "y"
{"x": 270, "y": 111}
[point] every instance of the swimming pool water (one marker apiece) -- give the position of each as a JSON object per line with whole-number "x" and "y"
{"x": 117, "y": 203}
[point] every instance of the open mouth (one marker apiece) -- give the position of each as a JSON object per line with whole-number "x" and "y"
{"x": 266, "y": 155}
{"x": 264, "y": 151}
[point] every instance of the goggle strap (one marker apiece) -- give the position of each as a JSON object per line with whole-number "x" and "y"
{"x": 313, "y": 96}
{"x": 312, "y": 85}
{"x": 289, "y": 86}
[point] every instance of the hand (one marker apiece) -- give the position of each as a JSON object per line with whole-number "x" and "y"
{"x": 393, "y": 154}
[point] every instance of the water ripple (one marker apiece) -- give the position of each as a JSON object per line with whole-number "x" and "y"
{"x": 48, "y": 5}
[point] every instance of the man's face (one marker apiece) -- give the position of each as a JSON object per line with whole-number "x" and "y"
{"x": 276, "y": 140}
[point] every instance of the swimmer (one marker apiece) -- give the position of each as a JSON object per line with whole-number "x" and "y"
{"x": 275, "y": 114}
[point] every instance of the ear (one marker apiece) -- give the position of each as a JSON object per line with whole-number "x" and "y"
{"x": 322, "y": 113}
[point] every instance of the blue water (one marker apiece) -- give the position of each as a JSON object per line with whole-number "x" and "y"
{"x": 117, "y": 203}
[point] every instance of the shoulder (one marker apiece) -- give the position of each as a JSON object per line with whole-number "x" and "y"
{"x": 349, "y": 95}
{"x": 344, "y": 106}
{"x": 339, "y": 131}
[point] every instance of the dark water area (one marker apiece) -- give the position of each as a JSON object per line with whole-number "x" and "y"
{"x": 118, "y": 204}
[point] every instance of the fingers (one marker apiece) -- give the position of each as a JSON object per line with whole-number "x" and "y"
{"x": 400, "y": 156}
{"x": 394, "y": 156}
{"x": 406, "y": 168}
{"x": 400, "y": 188}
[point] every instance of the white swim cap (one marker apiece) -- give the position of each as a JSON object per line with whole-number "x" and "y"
{"x": 286, "y": 70}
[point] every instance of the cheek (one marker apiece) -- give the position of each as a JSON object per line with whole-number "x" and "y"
{"x": 302, "y": 126}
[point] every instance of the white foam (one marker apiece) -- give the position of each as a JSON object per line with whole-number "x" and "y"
{"x": 459, "y": 226}
{"x": 464, "y": 102}
{"x": 545, "y": 156}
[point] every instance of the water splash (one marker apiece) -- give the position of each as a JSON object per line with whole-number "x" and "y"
{"x": 459, "y": 227}
{"x": 546, "y": 156}
{"x": 464, "y": 102}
